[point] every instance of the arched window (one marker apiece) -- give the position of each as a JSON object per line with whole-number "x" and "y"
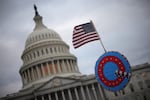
{"x": 46, "y": 51}
{"x": 55, "y": 50}
{"x": 51, "y": 50}
{"x": 34, "y": 55}
{"x": 46, "y": 35}
{"x": 38, "y": 54}
{"x": 42, "y": 35}
{"x": 42, "y": 52}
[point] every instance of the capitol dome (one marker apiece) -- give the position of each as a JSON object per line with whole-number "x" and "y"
{"x": 41, "y": 33}
{"x": 45, "y": 56}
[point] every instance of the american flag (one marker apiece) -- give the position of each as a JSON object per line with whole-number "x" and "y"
{"x": 83, "y": 34}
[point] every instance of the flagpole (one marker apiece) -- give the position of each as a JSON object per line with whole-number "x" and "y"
{"x": 102, "y": 45}
{"x": 99, "y": 37}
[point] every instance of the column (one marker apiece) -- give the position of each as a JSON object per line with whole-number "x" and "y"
{"x": 54, "y": 70}
{"x": 47, "y": 65}
{"x": 64, "y": 67}
{"x": 56, "y": 95}
{"x": 38, "y": 73}
{"x": 101, "y": 92}
{"x": 35, "y": 73}
{"x": 75, "y": 66}
{"x": 93, "y": 88}
{"x": 43, "y": 71}
{"x": 68, "y": 66}
{"x": 87, "y": 89}
{"x": 26, "y": 78}
{"x": 28, "y": 73}
{"x": 42, "y": 97}
{"x": 63, "y": 95}
{"x": 31, "y": 56}
{"x": 82, "y": 91}
{"x": 49, "y": 97}
{"x": 35, "y": 98}
{"x": 58, "y": 66}
{"x": 72, "y": 65}
{"x": 22, "y": 77}
{"x": 70, "y": 96}
{"x": 76, "y": 93}
{"x": 32, "y": 73}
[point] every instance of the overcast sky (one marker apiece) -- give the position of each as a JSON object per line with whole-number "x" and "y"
{"x": 123, "y": 25}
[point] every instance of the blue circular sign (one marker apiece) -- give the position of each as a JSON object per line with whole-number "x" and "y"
{"x": 113, "y": 71}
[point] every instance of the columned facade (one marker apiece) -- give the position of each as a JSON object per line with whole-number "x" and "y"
{"x": 48, "y": 69}
{"x": 80, "y": 92}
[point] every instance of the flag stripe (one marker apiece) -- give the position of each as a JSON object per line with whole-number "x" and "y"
{"x": 83, "y": 34}
{"x": 78, "y": 35}
{"x": 78, "y": 31}
{"x": 78, "y": 27}
{"x": 85, "y": 39}
{"x": 76, "y": 46}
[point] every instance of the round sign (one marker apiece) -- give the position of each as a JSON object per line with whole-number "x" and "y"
{"x": 113, "y": 71}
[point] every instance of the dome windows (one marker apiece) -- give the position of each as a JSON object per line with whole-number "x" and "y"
{"x": 46, "y": 34}
{"x": 44, "y": 52}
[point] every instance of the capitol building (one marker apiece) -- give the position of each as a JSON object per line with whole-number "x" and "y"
{"x": 50, "y": 72}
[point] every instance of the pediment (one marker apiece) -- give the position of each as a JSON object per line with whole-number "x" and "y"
{"x": 58, "y": 81}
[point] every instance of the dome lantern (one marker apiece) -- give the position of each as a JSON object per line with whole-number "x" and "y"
{"x": 38, "y": 20}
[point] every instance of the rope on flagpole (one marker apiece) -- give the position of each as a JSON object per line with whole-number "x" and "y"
{"x": 99, "y": 37}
